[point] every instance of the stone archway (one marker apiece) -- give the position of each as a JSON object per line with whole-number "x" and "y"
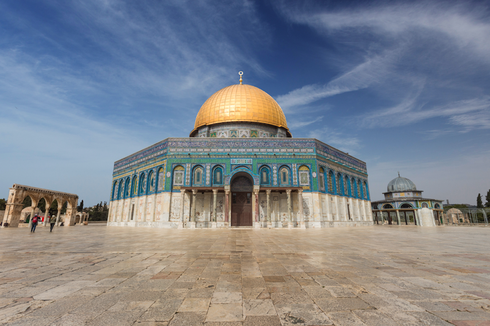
{"x": 241, "y": 199}
{"x": 17, "y": 194}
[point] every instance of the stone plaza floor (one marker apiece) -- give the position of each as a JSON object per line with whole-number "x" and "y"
{"x": 379, "y": 275}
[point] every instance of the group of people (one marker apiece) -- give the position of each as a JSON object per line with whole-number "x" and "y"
{"x": 35, "y": 220}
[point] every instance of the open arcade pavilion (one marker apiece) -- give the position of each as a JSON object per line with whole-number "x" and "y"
{"x": 240, "y": 167}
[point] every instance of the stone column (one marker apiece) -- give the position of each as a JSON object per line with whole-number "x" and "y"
{"x": 268, "y": 218}
{"x": 193, "y": 208}
{"x": 300, "y": 203}
{"x": 227, "y": 197}
{"x": 256, "y": 208}
{"x": 415, "y": 212}
{"x": 154, "y": 218}
{"x": 58, "y": 217}
{"x": 215, "y": 203}
{"x": 398, "y": 216}
{"x": 182, "y": 222}
{"x": 290, "y": 223}
{"x": 32, "y": 215}
{"x": 46, "y": 214}
{"x": 214, "y": 217}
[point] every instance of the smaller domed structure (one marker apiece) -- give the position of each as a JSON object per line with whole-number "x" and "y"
{"x": 401, "y": 184}
{"x": 404, "y": 204}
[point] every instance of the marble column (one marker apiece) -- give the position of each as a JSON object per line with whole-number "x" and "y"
{"x": 268, "y": 218}
{"x": 193, "y": 207}
{"x": 182, "y": 222}
{"x": 227, "y": 197}
{"x": 256, "y": 193}
{"x": 300, "y": 203}
{"x": 398, "y": 216}
{"x": 46, "y": 215}
{"x": 58, "y": 217}
{"x": 215, "y": 209}
{"x": 290, "y": 223}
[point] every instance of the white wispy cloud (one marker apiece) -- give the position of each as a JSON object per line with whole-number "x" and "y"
{"x": 373, "y": 70}
{"x": 297, "y": 124}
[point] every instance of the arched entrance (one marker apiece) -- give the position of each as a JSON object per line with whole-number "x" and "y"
{"x": 241, "y": 199}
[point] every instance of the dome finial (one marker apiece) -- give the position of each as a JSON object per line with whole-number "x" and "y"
{"x": 241, "y": 74}
{"x": 398, "y": 173}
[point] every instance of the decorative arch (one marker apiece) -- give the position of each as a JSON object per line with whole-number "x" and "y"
{"x": 339, "y": 184}
{"x": 437, "y": 205}
{"x": 366, "y": 194}
{"x": 218, "y": 177}
{"x": 127, "y": 188}
{"x": 321, "y": 178}
{"x": 284, "y": 175}
{"x": 346, "y": 185}
{"x": 134, "y": 186}
{"x": 406, "y": 205}
{"x": 242, "y": 182}
{"x": 160, "y": 179}
{"x": 178, "y": 176}
{"x": 387, "y": 206}
{"x": 331, "y": 182}
{"x": 142, "y": 188}
{"x": 304, "y": 175}
{"x": 151, "y": 182}
{"x": 198, "y": 177}
{"x": 265, "y": 175}
{"x": 114, "y": 193}
{"x": 358, "y": 188}
{"x": 120, "y": 189}
{"x": 229, "y": 178}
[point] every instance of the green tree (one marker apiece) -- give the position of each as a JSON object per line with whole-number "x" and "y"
{"x": 3, "y": 204}
{"x": 487, "y": 198}
{"x": 80, "y": 207}
{"x": 27, "y": 202}
{"x": 479, "y": 203}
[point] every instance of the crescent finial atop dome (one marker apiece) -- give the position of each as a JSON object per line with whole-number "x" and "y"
{"x": 241, "y": 74}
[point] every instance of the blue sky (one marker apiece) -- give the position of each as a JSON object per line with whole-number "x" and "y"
{"x": 403, "y": 86}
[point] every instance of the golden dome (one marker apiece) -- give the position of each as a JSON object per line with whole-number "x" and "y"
{"x": 240, "y": 103}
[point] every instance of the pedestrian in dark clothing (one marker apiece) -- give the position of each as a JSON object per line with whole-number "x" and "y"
{"x": 52, "y": 221}
{"x": 34, "y": 223}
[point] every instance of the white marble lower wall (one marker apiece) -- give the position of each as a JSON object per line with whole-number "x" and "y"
{"x": 169, "y": 210}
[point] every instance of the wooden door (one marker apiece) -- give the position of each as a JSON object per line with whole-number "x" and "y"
{"x": 241, "y": 209}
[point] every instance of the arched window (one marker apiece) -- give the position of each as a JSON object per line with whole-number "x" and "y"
{"x": 304, "y": 176}
{"x": 198, "y": 177}
{"x": 406, "y": 206}
{"x": 321, "y": 178}
{"x": 366, "y": 190}
{"x": 284, "y": 176}
{"x": 160, "y": 179}
{"x": 120, "y": 190}
{"x": 127, "y": 188}
{"x": 358, "y": 187}
{"x": 346, "y": 186}
{"x": 135, "y": 185}
{"x": 387, "y": 206}
{"x": 178, "y": 176}
{"x": 142, "y": 183}
{"x": 114, "y": 193}
{"x": 437, "y": 206}
{"x": 353, "y": 188}
{"x": 151, "y": 182}
{"x": 338, "y": 185}
{"x": 425, "y": 205}
{"x": 264, "y": 175}
{"x": 330, "y": 182}
{"x": 218, "y": 176}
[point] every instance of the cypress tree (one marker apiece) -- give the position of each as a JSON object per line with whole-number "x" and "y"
{"x": 487, "y": 198}
{"x": 479, "y": 203}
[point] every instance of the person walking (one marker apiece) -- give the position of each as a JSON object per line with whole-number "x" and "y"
{"x": 34, "y": 223}
{"x": 52, "y": 221}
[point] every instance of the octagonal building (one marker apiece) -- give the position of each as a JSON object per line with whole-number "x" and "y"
{"x": 240, "y": 167}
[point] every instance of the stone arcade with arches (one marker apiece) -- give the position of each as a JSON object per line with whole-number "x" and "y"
{"x": 240, "y": 167}
{"x": 18, "y": 193}
{"x": 404, "y": 205}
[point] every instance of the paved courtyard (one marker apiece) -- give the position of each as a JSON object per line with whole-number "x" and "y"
{"x": 380, "y": 275}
